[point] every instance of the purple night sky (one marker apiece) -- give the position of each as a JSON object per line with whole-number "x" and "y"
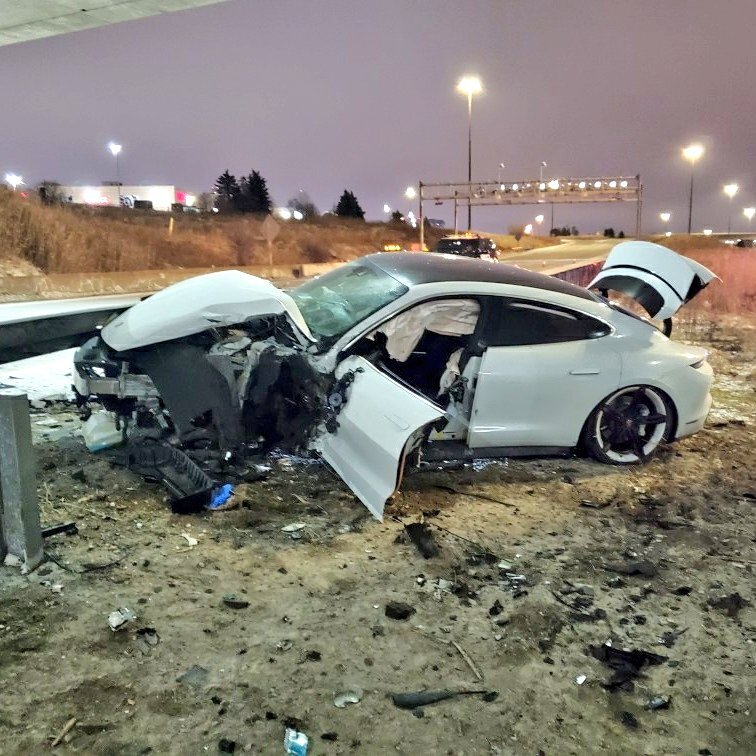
{"x": 349, "y": 93}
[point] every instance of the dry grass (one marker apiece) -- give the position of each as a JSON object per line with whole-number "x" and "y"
{"x": 736, "y": 293}
{"x": 76, "y": 239}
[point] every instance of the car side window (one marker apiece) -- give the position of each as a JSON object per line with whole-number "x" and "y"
{"x": 521, "y": 323}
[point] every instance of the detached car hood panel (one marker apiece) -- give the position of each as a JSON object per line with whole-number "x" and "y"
{"x": 660, "y": 280}
{"x": 192, "y": 306}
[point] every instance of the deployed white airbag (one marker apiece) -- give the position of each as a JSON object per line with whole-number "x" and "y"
{"x": 448, "y": 317}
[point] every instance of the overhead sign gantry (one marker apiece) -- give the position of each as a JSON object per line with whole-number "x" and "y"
{"x": 556, "y": 191}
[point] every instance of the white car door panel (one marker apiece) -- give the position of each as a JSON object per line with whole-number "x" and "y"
{"x": 540, "y": 394}
{"x": 376, "y": 425}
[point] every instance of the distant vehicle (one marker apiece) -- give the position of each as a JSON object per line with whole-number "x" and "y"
{"x": 468, "y": 245}
{"x": 744, "y": 243}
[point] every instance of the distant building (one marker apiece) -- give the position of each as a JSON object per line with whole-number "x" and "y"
{"x": 161, "y": 197}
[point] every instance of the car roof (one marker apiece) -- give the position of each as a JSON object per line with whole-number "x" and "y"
{"x": 415, "y": 268}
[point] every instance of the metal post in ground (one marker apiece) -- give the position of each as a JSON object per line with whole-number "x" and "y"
{"x": 20, "y": 530}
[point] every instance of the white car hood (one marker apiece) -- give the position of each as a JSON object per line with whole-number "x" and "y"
{"x": 660, "y": 280}
{"x": 224, "y": 298}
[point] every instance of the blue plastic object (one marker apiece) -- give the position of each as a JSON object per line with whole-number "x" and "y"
{"x": 221, "y": 496}
{"x": 295, "y": 742}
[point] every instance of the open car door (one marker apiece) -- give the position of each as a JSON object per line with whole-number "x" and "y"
{"x": 656, "y": 277}
{"x": 378, "y": 426}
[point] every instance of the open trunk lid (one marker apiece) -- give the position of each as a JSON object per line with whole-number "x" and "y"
{"x": 656, "y": 277}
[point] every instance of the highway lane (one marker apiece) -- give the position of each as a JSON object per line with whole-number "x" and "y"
{"x": 568, "y": 250}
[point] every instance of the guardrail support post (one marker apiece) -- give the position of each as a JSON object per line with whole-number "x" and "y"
{"x": 20, "y": 530}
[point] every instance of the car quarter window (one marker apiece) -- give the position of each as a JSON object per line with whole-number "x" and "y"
{"x": 523, "y": 322}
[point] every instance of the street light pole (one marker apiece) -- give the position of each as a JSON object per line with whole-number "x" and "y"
{"x": 692, "y": 153}
{"x": 469, "y": 85}
{"x": 730, "y": 190}
{"x": 115, "y": 151}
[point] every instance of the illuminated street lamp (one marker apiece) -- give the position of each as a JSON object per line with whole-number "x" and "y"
{"x": 730, "y": 190}
{"x": 410, "y": 192}
{"x": 749, "y": 212}
{"x": 386, "y": 208}
{"x": 469, "y": 86}
{"x": 14, "y": 180}
{"x": 115, "y": 151}
{"x": 501, "y": 168}
{"x": 544, "y": 164}
{"x": 539, "y": 219}
{"x": 692, "y": 153}
{"x": 665, "y": 216}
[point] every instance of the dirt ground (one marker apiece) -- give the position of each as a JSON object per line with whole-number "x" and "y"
{"x": 528, "y": 577}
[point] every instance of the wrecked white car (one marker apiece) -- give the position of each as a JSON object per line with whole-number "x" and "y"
{"x": 408, "y": 354}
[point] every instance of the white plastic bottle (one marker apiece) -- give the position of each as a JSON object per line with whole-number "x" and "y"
{"x": 100, "y": 432}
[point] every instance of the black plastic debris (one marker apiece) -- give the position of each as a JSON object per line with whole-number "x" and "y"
{"x": 657, "y": 703}
{"x": 398, "y": 610}
{"x": 69, "y": 528}
{"x": 421, "y": 535}
{"x": 683, "y": 590}
{"x": 496, "y": 609}
{"x": 627, "y": 665}
{"x": 232, "y": 601}
{"x": 331, "y": 736}
{"x": 629, "y": 720}
{"x": 731, "y": 604}
{"x": 425, "y": 697}
{"x": 642, "y": 567}
{"x": 226, "y": 746}
{"x": 669, "y": 637}
{"x": 594, "y": 504}
{"x": 189, "y": 486}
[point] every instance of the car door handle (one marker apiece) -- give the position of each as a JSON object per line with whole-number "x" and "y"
{"x": 585, "y": 371}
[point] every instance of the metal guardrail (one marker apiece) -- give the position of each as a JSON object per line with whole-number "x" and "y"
{"x": 20, "y": 530}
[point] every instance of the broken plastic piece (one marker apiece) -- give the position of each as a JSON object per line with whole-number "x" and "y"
{"x": 345, "y": 697}
{"x": 120, "y": 618}
{"x": 190, "y": 487}
{"x": 425, "y": 697}
{"x": 221, "y": 496}
{"x": 295, "y": 742}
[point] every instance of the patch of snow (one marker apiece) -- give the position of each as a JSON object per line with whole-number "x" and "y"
{"x": 46, "y": 376}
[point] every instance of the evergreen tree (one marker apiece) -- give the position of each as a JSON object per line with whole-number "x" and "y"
{"x": 397, "y": 217}
{"x": 227, "y": 188}
{"x": 254, "y": 196}
{"x": 349, "y": 207}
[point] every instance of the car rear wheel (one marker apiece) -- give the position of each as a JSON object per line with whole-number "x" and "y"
{"x": 629, "y": 426}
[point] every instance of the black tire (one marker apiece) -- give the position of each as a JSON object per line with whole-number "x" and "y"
{"x": 629, "y": 426}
